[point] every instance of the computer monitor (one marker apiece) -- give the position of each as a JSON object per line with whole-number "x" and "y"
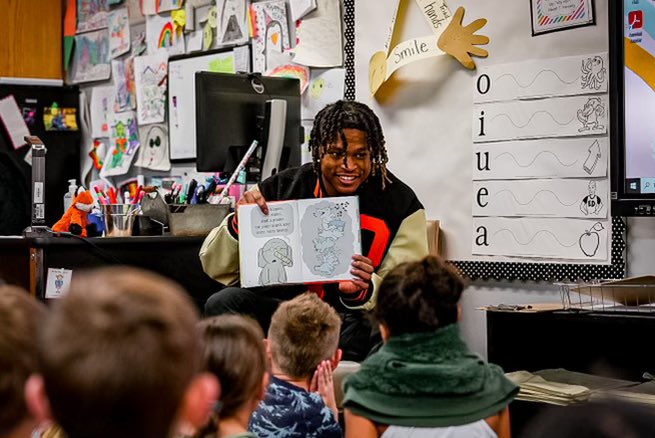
{"x": 632, "y": 30}
{"x": 232, "y": 111}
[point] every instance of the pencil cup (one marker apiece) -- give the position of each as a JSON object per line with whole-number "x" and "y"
{"x": 119, "y": 219}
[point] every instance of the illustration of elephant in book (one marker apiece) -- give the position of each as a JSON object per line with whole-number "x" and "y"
{"x": 273, "y": 257}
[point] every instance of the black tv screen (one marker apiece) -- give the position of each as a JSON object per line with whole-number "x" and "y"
{"x": 633, "y": 154}
{"x": 230, "y": 114}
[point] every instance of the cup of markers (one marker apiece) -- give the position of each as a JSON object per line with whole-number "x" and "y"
{"x": 118, "y": 216}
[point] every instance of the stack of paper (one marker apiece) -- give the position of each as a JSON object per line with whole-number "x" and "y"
{"x": 536, "y": 388}
{"x": 643, "y": 394}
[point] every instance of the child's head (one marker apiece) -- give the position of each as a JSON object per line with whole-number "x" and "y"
{"x": 419, "y": 297}
{"x": 120, "y": 356}
{"x": 235, "y": 353}
{"x": 304, "y": 331}
{"x": 20, "y": 316}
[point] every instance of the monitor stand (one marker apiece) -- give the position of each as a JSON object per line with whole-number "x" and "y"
{"x": 275, "y": 123}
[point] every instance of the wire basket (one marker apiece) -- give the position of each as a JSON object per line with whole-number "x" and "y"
{"x": 626, "y": 296}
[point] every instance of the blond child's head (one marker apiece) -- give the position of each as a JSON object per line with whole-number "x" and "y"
{"x": 304, "y": 331}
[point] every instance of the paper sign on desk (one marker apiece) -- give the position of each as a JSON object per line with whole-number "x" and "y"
{"x": 13, "y": 121}
{"x": 584, "y": 157}
{"x": 58, "y": 282}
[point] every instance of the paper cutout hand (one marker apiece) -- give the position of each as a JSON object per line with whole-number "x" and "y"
{"x": 461, "y": 42}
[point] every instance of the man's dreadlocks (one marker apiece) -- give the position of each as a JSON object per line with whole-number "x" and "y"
{"x": 333, "y": 119}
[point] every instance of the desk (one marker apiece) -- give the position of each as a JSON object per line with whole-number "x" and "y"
{"x": 25, "y": 261}
{"x": 608, "y": 344}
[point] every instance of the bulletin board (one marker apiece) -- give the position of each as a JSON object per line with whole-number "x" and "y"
{"x": 427, "y": 121}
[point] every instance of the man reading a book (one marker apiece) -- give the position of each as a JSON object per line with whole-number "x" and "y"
{"x": 348, "y": 159}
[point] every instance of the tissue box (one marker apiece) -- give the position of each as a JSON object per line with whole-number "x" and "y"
{"x": 195, "y": 219}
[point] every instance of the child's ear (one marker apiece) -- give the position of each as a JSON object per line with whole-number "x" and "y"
{"x": 269, "y": 354}
{"x": 265, "y": 380}
{"x": 201, "y": 395}
{"x": 36, "y": 398}
{"x": 336, "y": 358}
{"x": 384, "y": 332}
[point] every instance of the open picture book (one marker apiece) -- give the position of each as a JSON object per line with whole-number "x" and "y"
{"x": 302, "y": 241}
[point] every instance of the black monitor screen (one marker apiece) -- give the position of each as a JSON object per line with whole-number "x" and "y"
{"x": 639, "y": 96}
{"x": 230, "y": 114}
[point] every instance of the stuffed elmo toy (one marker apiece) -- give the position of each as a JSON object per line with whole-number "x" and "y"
{"x": 76, "y": 217}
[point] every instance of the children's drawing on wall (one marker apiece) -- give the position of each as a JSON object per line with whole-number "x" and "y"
{"x": 168, "y": 5}
{"x": 124, "y": 86}
{"x": 293, "y": 71}
{"x": 233, "y": 22}
{"x": 542, "y": 78}
{"x": 91, "y": 58}
{"x": 591, "y": 204}
{"x": 138, "y": 40}
{"x": 594, "y": 74}
{"x": 326, "y": 236}
{"x": 91, "y": 15}
{"x": 59, "y": 119}
{"x": 552, "y": 15}
{"x": 150, "y": 75}
{"x": 273, "y": 258}
{"x": 98, "y": 150}
{"x": 319, "y": 36}
{"x": 542, "y": 238}
{"x": 269, "y": 31}
{"x": 590, "y": 240}
{"x": 119, "y": 32}
{"x": 160, "y": 34}
{"x": 592, "y": 115}
{"x": 325, "y": 86}
{"x": 29, "y": 115}
{"x": 153, "y": 152}
{"x": 124, "y": 142}
{"x": 102, "y": 103}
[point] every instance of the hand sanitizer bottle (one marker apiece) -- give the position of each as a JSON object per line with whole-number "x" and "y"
{"x": 70, "y": 195}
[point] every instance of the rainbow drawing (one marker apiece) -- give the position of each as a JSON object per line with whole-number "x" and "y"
{"x": 166, "y": 35}
{"x": 293, "y": 71}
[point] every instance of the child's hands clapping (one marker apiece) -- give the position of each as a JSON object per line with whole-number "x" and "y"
{"x": 323, "y": 383}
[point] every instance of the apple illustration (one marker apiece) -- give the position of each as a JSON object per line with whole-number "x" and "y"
{"x": 590, "y": 240}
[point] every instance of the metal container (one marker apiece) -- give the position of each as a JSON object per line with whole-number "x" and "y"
{"x": 195, "y": 219}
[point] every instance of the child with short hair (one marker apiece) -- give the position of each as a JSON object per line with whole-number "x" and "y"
{"x": 120, "y": 356}
{"x": 20, "y": 316}
{"x": 424, "y": 381}
{"x": 303, "y": 349}
{"x": 235, "y": 353}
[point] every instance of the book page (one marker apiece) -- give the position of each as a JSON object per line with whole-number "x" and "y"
{"x": 269, "y": 245}
{"x": 329, "y": 236}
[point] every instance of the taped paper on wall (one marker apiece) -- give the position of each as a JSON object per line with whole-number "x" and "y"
{"x": 553, "y": 158}
{"x": 557, "y": 117}
{"x": 573, "y": 198}
{"x": 567, "y": 76}
{"x": 574, "y": 239}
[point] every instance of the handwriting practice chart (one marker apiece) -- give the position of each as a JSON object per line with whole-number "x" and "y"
{"x": 540, "y": 160}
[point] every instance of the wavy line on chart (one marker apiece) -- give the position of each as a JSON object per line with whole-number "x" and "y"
{"x": 530, "y": 119}
{"x": 535, "y": 159}
{"x": 509, "y": 75}
{"x": 533, "y": 237}
{"x": 535, "y": 197}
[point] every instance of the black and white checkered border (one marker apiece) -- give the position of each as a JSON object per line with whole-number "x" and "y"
{"x": 505, "y": 270}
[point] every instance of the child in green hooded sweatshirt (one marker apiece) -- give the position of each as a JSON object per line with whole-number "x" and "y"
{"x": 424, "y": 382}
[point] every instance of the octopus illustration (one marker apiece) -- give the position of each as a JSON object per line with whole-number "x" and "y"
{"x": 593, "y": 73}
